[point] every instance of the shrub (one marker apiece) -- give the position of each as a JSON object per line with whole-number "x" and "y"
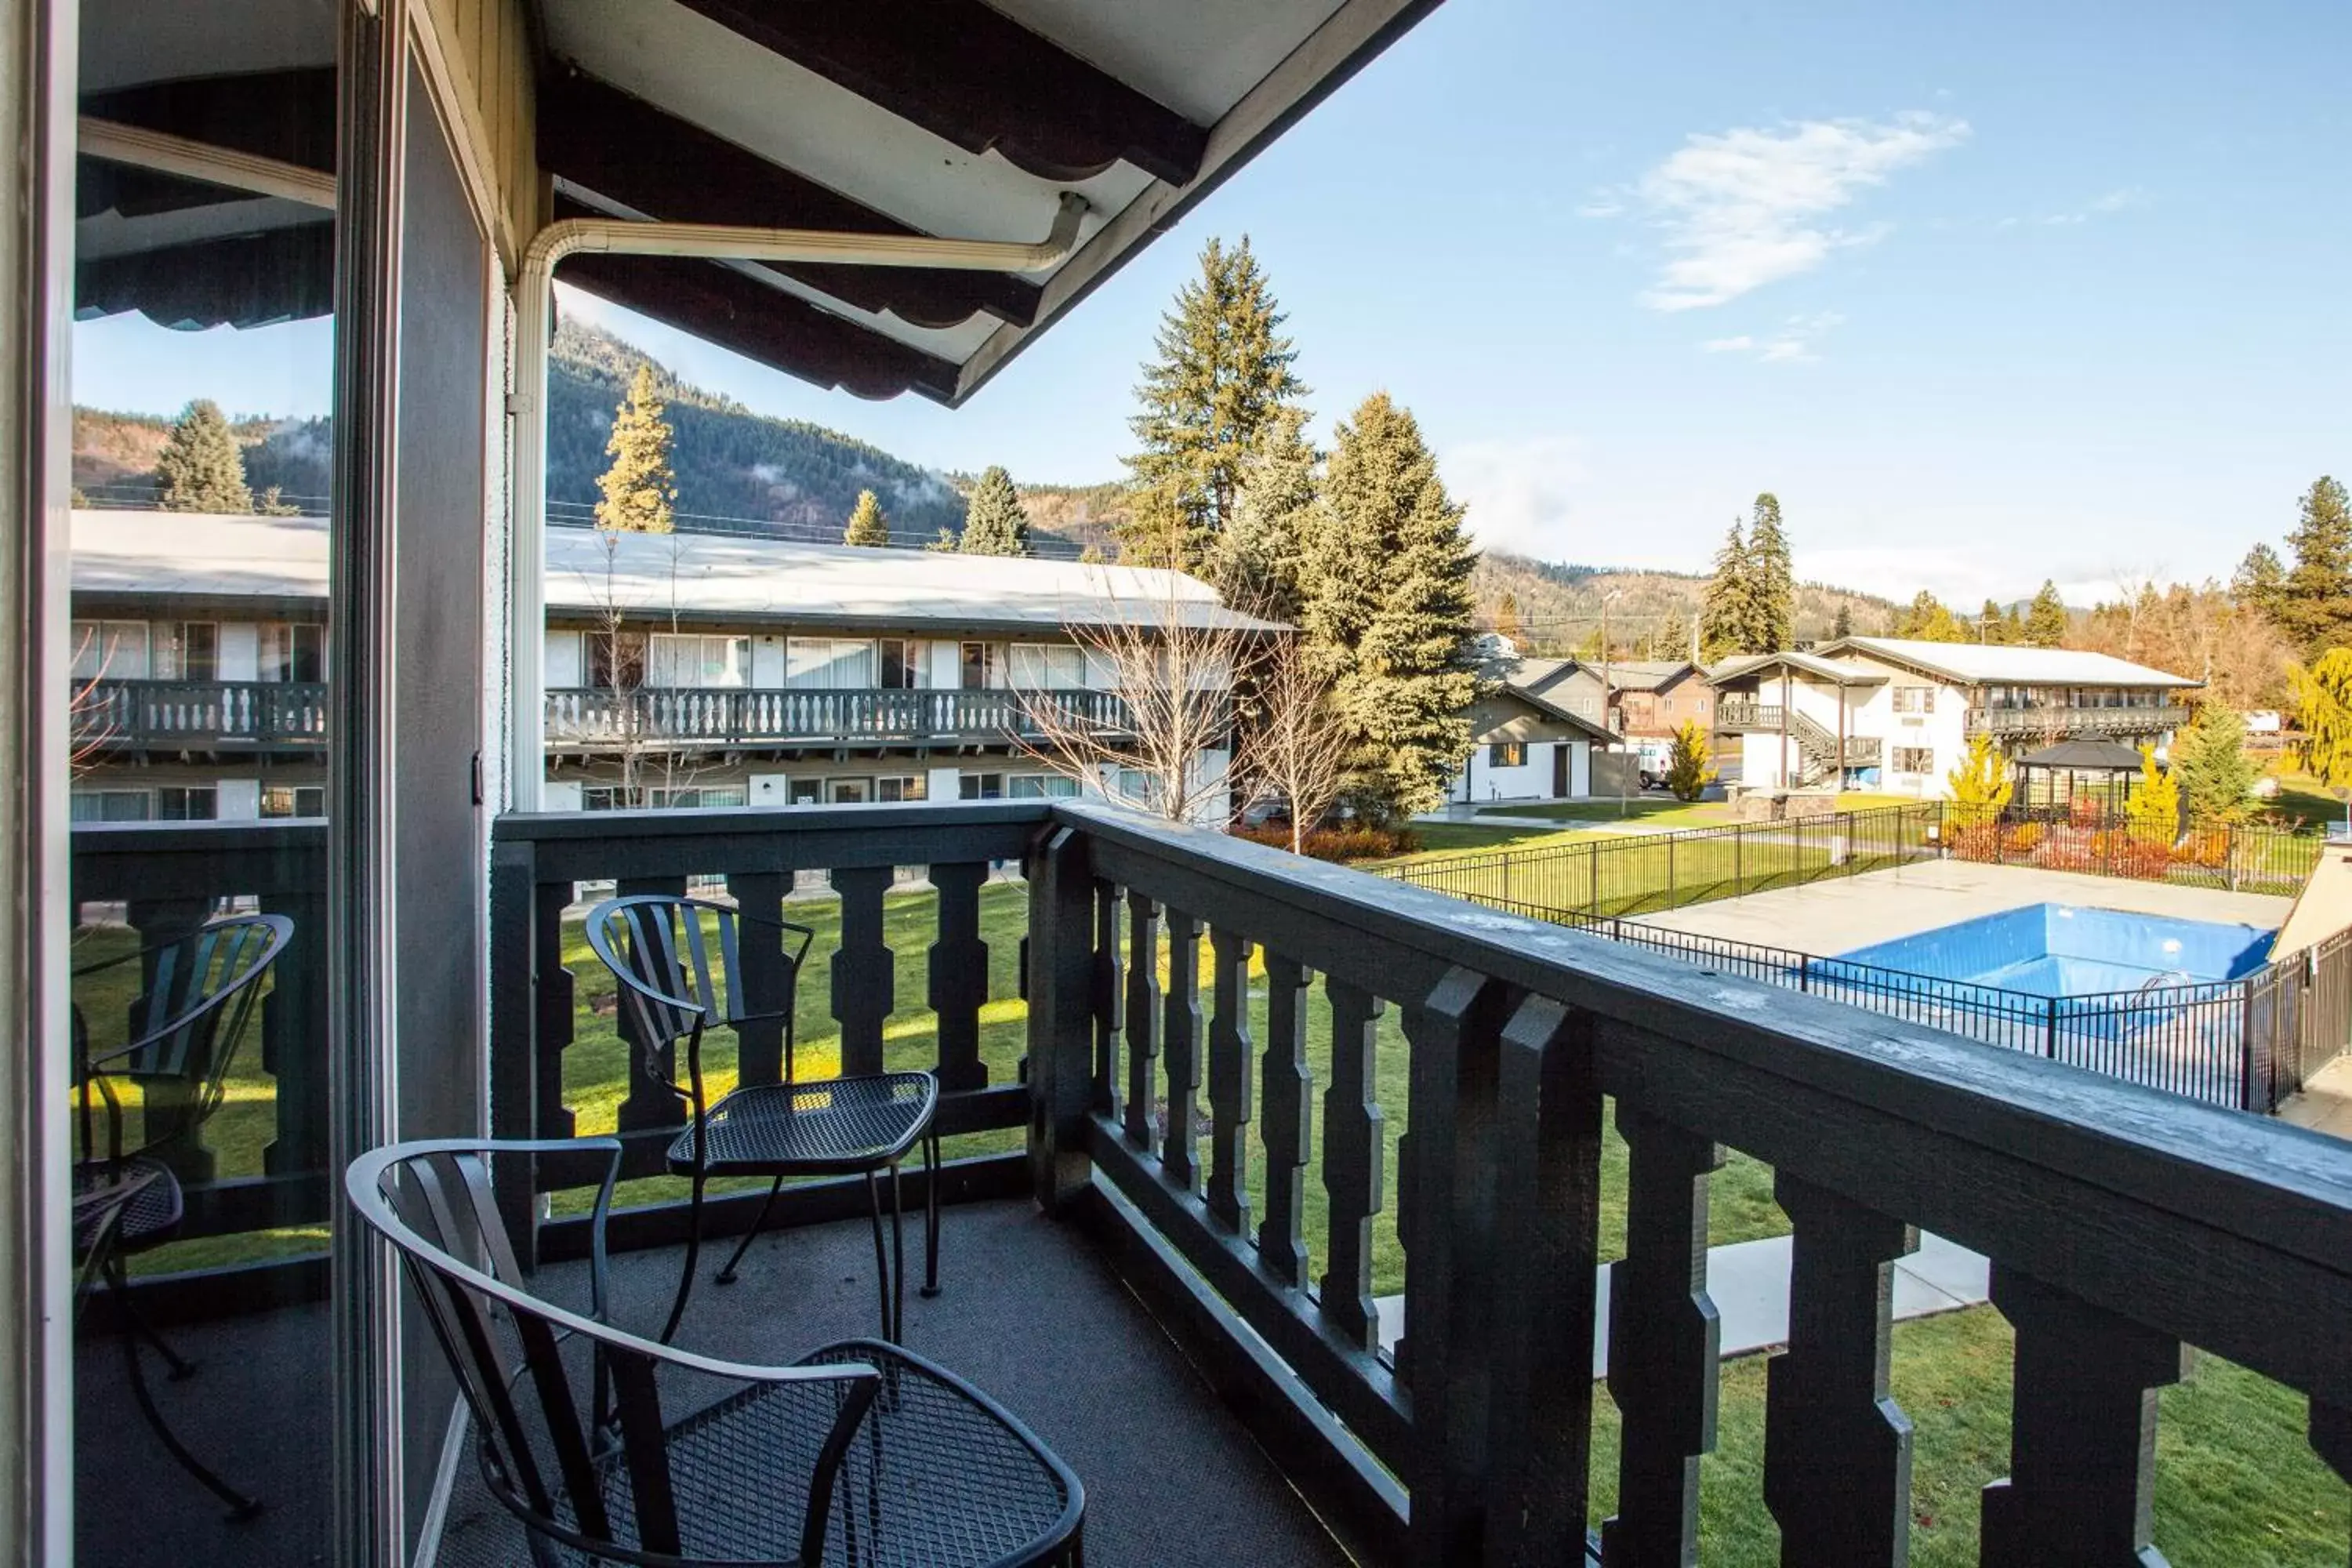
{"x": 2206, "y": 846}
{"x": 2129, "y": 855}
{"x": 1977, "y": 841}
{"x": 2025, "y": 838}
{"x": 1358, "y": 841}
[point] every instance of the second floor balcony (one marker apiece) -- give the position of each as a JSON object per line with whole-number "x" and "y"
{"x": 598, "y": 719}
{"x": 2060, "y": 721}
{"x": 200, "y": 714}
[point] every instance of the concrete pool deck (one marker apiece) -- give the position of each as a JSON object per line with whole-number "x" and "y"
{"x": 1828, "y": 918}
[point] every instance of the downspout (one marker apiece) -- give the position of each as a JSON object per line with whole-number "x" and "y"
{"x": 527, "y": 403}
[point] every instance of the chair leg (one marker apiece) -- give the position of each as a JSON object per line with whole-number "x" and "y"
{"x": 693, "y": 1252}
{"x": 931, "y": 1163}
{"x": 727, "y": 1275}
{"x": 240, "y": 1507}
{"x": 881, "y": 1258}
{"x": 898, "y": 1258}
{"x": 127, "y": 1305}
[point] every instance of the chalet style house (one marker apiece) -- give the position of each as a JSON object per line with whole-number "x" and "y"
{"x": 1887, "y": 713}
{"x": 681, "y": 670}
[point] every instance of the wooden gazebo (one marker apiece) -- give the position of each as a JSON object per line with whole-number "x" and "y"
{"x": 2101, "y": 771}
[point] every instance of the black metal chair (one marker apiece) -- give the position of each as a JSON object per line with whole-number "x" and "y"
{"x": 612, "y": 1448}
{"x": 197, "y": 995}
{"x": 680, "y": 969}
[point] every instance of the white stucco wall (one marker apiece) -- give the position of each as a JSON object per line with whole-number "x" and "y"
{"x": 560, "y": 664}
{"x": 239, "y": 651}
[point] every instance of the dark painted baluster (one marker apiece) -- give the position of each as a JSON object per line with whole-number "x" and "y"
{"x": 1837, "y": 1450}
{"x": 1228, "y": 1082}
{"x": 1355, "y": 1149}
{"x": 1061, "y": 1016}
{"x": 1142, "y": 1021}
{"x": 1180, "y": 1049}
{"x": 1288, "y": 1135}
{"x": 651, "y": 1102}
{"x": 165, "y": 1108}
{"x": 1110, "y": 1001}
{"x": 864, "y": 972}
{"x": 1547, "y": 1237}
{"x": 1448, "y": 1193}
{"x": 960, "y": 974}
{"x": 766, "y": 965}
{"x": 294, "y": 1036}
{"x": 554, "y": 1008}
{"x": 1663, "y": 1339}
{"x": 2082, "y": 1451}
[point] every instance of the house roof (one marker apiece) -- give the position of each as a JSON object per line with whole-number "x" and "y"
{"x": 1545, "y": 708}
{"x": 1527, "y": 673}
{"x": 1976, "y": 664}
{"x": 1648, "y": 674}
{"x": 2085, "y": 756}
{"x": 707, "y": 578}
{"x": 952, "y": 118}
{"x": 1812, "y": 665}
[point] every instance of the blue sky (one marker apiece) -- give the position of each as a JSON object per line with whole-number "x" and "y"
{"x": 1985, "y": 293}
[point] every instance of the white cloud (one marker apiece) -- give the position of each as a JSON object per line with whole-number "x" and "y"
{"x": 1519, "y": 494}
{"x": 1750, "y": 207}
{"x": 1963, "y": 579}
{"x": 2115, "y": 201}
{"x": 1792, "y": 344}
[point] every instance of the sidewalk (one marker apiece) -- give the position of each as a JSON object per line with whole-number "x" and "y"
{"x": 2325, "y": 1103}
{"x": 1748, "y": 1283}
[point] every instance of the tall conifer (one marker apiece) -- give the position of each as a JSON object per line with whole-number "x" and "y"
{"x": 639, "y": 490}
{"x": 866, "y": 525}
{"x": 1222, "y": 371}
{"x": 1771, "y": 580}
{"x": 2046, "y": 618}
{"x": 1257, "y": 559}
{"x": 2316, "y": 604}
{"x": 1726, "y": 613}
{"x": 994, "y": 521}
{"x": 1388, "y": 611}
{"x": 201, "y": 467}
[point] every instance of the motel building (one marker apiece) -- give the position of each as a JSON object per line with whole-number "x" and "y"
{"x": 1891, "y": 715}
{"x": 681, "y": 670}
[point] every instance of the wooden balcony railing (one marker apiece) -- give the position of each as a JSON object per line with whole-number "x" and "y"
{"x": 161, "y": 879}
{"x": 2064, "y": 723}
{"x": 1164, "y": 963}
{"x": 584, "y": 717}
{"x": 200, "y": 713}
{"x": 1734, "y": 714}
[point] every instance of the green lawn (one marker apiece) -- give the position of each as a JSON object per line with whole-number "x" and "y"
{"x": 1656, "y": 810}
{"x": 1441, "y": 839}
{"x": 2237, "y": 1483}
{"x": 2306, "y": 802}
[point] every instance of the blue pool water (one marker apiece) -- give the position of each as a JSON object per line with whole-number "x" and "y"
{"x": 2064, "y": 949}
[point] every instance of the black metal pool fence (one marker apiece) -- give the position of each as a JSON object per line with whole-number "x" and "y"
{"x": 2247, "y": 1043}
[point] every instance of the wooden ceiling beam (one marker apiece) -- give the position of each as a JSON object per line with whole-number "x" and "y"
{"x": 646, "y": 160}
{"x": 974, "y": 77}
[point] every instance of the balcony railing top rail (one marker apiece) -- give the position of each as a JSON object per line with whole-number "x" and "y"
{"x": 2064, "y": 721}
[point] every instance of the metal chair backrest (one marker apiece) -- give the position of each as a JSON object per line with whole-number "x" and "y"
{"x": 560, "y": 1398}
{"x": 680, "y": 965}
{"x": 199, "y": 995}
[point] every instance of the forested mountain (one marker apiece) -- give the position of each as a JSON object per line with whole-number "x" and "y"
{"x": 1559, "y": 606}
{"x": 730, "y": 462}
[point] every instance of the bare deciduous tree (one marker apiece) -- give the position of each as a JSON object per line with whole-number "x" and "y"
{"x": 92, "y": 717}
{"x": 649, "y": 754}
{"x": 1174, "y": 669}
{"x": 1291, "y": 748}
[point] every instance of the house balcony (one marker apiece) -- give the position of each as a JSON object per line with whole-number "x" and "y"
{"x": 200, "y": 714}
{"x": 2066, "y": 722}
{"x": 1737, "y": 715}
{"x": 1271, "y": 1180}
{"x": 591, "y": 719}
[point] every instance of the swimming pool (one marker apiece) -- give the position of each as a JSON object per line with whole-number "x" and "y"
{"x": 2066, "y": 950}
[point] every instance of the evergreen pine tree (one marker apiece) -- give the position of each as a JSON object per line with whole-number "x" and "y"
{"x": 2316, "y": 605}
{"x": 2045, "y": 620}
{"x": 639, "y": 490}
{"x": 1927, "y": 620}
{"x": 1256, "y": 559}
{"x": 866, "y": 523}
{"x": 2012, "y": 627}
{"x": 2210, "y": 759}
{"x": 2260, "y": 581}
{"x": 201, "y": 467}
{"x": 994, "y": 523}
{"x": 1222, "y": 371}
{"x": 1771, "y": 581}
{"x": 1388, "y": 612}
{"x": 1672, "y": 639}
{"x": 1992, "y": 625}
{"x": 1844, "y": 626}
{"x": 1726, "y": 615}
